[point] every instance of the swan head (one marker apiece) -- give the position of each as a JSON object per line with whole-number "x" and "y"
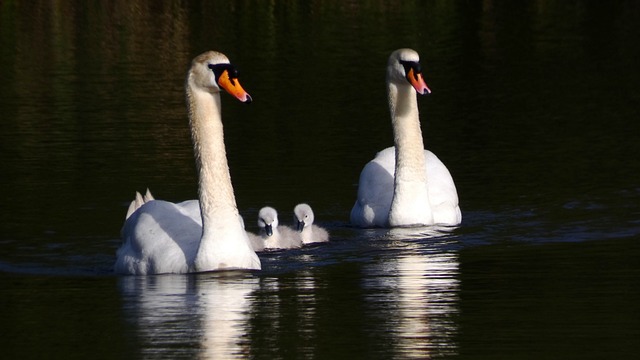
{"x": 404, "y": 66}
{"x": 303, "y": 216}
{"x": 212, "y": 71}
{"x": 268, "y": 219}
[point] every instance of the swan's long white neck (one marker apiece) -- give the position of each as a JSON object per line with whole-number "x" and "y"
{"x": 410, "y": 194}
{"x": 217, "y": 201}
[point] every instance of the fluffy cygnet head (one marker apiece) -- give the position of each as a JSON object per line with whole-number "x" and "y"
{"x": 268, "y": 219}
{"x": 303, "y": 216}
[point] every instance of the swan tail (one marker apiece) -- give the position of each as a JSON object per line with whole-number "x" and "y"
{"x": 148, "y": 197}
{"x": 138, "y": 202}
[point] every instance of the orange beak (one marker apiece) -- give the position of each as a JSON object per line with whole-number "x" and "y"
{"x": 416, "y": 80}
{"x": 233, "y": 87}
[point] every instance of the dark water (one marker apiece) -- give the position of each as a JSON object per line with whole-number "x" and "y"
{"x": 534, "y": 111}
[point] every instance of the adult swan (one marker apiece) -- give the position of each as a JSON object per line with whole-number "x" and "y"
{"x": 163, "y": 237}
{"x": 417, "y": 189}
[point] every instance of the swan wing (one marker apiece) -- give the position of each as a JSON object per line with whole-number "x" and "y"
{"x": 159, "y": 237}
{"x": 375, "y": 191}
{"x": 443, "y": 195}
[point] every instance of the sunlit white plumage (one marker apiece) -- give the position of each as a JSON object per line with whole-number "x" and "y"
{"x": 276, "y": 236}
{"x": 194, "y": 236}
{"x": 417, "y": 189}
{"x": 309, "y": 232}
{"x": 256, "y": 241}
{"x": 138, "y": 201}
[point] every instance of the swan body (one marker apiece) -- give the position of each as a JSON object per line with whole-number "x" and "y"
{"x": 195, "y": 235}
{"x": 405, "y": 185}
{"x": 276, "y": 236}
{"x": 309, "y": 232}
{"x": 256, "y": 241}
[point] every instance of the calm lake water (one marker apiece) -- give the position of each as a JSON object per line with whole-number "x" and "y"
{"x": 534, "y": 110}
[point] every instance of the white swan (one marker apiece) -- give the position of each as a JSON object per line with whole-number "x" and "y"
{"x": 194, "y": 236}
{"x": 276, "y": 236}
{"x": 309, "y": 232}
{"x": 417, "y": 189}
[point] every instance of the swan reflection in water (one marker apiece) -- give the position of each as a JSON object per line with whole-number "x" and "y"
{"x": 406, "y": 292}
{"x": 186, "y": 315}
{"x": 420, "y": 288}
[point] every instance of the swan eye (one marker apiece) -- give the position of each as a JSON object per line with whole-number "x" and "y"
{"x": 219, "y": 69}
{"x": 409, "y": 65}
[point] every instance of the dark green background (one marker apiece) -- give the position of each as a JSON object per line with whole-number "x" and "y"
{"x": 534, "y": 111}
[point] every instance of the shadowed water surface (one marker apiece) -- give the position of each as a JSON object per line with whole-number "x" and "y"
{"x": 534, "y": 111}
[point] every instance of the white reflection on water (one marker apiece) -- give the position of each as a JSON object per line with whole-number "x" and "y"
{"x": 225, "y": 308}
{"x": 423, "y": 287}
{"x": 306, "y": 307}
{"x": 405, "y": 293}
{"x": 187, "y": 315}
{"x": 285, "y": 315}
